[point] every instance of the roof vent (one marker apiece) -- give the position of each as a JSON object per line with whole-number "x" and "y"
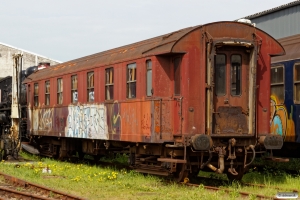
{"x": 246, "y": 21}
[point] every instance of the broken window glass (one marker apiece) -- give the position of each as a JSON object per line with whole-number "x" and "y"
{"x": 109, "y": 83}
{"x": 131, "y": 81}
{"x": 220, "y": 74}
{"x": 47, "y": 93}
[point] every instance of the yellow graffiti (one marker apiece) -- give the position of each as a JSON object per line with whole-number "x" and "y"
{"x": 281, "y": 122}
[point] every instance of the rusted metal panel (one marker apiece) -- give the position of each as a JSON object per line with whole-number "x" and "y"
{"x": 163, "y": 124}
{"x": 136, "y": 121}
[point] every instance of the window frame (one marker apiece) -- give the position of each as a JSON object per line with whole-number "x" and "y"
{"x": 225, "y": 78}
{"x": 149, "y": 90}
{"x": 241, "y": 75}
{"x": 73, "y": 90}
{"x": 60, "y": 93}
{"x": 281, "y": 83}
{"x": 295, "y": 82}
{"x": 35, "y": 95}
{"x": 90, "y": 88}
{"x": 109, "y": 83}
{"x": 131, "y": 82}
{"x": 47, "y": 94}
{"x": 179, "y": 76}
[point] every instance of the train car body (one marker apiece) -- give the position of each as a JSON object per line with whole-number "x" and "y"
{"x": 179, "y": 102}
{"x": 285, "y": 96}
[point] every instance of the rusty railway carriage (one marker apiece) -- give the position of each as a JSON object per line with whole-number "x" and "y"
{"x": 197, "y": 98}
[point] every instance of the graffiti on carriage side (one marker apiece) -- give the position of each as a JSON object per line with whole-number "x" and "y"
{"x": 45, "y": 119}
{"x": 281, "y": 121}
{"x": 114, "y": 118}
{"x": 87, "y": 121}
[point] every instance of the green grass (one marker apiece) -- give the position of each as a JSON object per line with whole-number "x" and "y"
{"x": 96, "y": 182}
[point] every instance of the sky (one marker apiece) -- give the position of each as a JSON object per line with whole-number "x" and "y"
{"x": 68, "y": 29}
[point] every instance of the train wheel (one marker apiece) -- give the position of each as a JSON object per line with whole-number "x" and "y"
{"x": 240, "y": 170}
{"x": 181, "y": 173}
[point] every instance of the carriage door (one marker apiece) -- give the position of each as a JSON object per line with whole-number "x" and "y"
{"x": 231, "y": 93}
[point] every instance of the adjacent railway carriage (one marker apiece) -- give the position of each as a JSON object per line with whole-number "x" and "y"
{"x": 196, "y": 98}
{"x": 285, "y": 96}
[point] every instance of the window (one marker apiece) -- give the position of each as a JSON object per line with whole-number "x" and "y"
{"x": 47, "y": 93}
{"x": 149, "y": 78}
{"x": 74, "y": 93}
{"x": 277, "y": 82}
{"x": 235, "y": 78}
{"x": 177, "y": 76}
{"x": 109, "y": 83}
{"x": 131, "y": 81}
{"x": 36, "y": 94}
{"x": 90, "y": 87}
{"x": 297, "y": 82}
{"x": 220, "y": 74}
{"x": 59, "y": 91}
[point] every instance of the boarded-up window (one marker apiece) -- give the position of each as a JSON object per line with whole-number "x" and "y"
{"x": 36, "y": 94}
{"x": 131, "y": 80}
{"x": 59, "y": 91}
{"x": 277, "y": 82}
{"x": 220, "y": 74}
{"x": 177, "y": 76}
{"x": 109, "y": 83}
{"x": 47, "y": 93}
{"x": 235, "y": 79}
{"x": 74, "y": 92}
{"x": 90, "y": 87}
{"x": 149, "y": 78}
{"x": 297, "y": 83}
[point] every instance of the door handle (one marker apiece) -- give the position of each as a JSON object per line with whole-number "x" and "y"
{"x": 226, "y": 101}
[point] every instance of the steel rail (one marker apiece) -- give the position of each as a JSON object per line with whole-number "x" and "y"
{"x": 19, "y": 195}
{"x": 244, "y": 194}
{"x": 255, "y": 185}
{"x": 37, "y": 187}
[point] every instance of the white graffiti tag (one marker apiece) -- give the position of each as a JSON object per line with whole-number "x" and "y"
{"x": 87, "y": 121}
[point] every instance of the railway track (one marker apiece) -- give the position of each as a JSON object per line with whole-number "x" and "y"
{"x": 228, "y": 191}
{"x": 215, "y": 184}
{"x": 14, "y": 188}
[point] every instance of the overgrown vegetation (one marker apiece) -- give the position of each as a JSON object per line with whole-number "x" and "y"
{"x": 96, "y": 182}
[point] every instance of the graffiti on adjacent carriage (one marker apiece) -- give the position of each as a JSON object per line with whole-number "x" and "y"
{"x": 45, "y": 119}
{"x": 87, "y": 121}
{"x": 281, "y": 121}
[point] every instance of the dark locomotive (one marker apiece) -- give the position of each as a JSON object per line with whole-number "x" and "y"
{"x": 194, "y": 99}
{"x": 10, "y": 139}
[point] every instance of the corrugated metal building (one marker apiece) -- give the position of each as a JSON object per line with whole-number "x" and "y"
{"x": 282, "y": 21}
{"x": 29, "y": 59}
